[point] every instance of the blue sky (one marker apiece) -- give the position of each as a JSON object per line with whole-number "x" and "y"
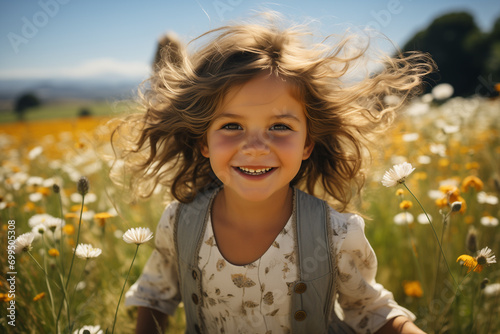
{"x": 81, "y": 39}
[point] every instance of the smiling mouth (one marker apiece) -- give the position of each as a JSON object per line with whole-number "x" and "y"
{"x": 255, "y": 172}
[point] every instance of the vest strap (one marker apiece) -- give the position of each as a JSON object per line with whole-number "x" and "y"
{"x": 312, "y": 293}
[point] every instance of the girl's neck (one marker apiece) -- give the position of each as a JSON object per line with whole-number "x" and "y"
{"x": 271, "y": 214}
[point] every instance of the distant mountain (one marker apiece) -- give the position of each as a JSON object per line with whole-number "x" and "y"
{"x": 62, "y": 89}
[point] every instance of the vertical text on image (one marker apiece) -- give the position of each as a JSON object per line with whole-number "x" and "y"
{"x": 11, "y": 273}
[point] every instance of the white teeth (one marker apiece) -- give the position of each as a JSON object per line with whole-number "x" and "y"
{"x": 254, "y": 171}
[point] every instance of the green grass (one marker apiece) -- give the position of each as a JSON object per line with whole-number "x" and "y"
{"x": 69, "y": 109}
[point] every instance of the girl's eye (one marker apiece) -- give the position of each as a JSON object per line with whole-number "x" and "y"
{"x": 231, "y": 126}
{"x": 280, "y": 127}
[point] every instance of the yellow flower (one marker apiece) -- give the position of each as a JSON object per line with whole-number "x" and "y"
{"x": 78, "y": 207}
{"x": 68, "y": 229}
{"x": 39, "y": 296}
{"x": 400, "y": 192}
{"x": 53, "y": 252}
{"x": 443, "y": 163}
{"x": 5, "y": 297}
{"x": 101, "y": 218}
{"x": 469, "y": 262}
{"x": 450, "y": 190}
{"x": 472, "y": 165}
{"x": 413, "y": 289}
{"x": 45, "y": 191}
{"x": 71, "y": 215}
{"x": 442, "y": 202}
{"x": 464, "y": 204}
{"x": 405, "y": 205}
{"x": 469, "y": 219}
{"x": 484, "y": 257}
{"x": 29, "y": 206}
{"x": 472, "y": 182}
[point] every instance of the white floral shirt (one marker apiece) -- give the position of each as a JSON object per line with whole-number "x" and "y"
{"x": 256, "y": 298}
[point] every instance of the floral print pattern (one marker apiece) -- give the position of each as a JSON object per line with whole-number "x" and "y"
{"x": 251, "y": 298}
{"x": 255, "y": 298}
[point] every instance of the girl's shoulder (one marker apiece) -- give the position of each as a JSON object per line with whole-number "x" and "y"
{"x": 344, "y": 223}
{"x": 168, "y": 217}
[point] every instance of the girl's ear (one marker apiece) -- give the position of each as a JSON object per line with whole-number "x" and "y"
{"x": 308, "y": 148}
{"x": 204, "y": 150}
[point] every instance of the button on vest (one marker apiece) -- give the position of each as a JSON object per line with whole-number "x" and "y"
{"x": 300, "y": 315}
{"x": 195, "y": 298}
{"x": 300, "y": 288}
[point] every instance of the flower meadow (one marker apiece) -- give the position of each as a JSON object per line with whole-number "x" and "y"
{"x": 431, "y": 206}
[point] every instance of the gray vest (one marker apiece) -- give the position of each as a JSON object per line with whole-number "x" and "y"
{"x": 312, "y": 294}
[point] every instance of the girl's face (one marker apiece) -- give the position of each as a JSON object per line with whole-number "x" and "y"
{"x": 257, "y": 141}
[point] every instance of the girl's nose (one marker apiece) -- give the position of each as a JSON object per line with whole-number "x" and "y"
{"x": 255, "y": 144}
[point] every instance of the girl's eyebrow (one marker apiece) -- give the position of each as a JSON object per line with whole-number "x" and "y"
{"x": 237, "y": 116}
{"x": 229, "y": 115}
{"x": 287, "y": 116}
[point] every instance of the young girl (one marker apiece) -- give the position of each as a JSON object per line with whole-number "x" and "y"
{"x": 235, "y": 129}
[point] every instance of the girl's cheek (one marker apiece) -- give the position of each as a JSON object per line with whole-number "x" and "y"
{"x": 288, "y": 143}
{"x": 225, "y": 142}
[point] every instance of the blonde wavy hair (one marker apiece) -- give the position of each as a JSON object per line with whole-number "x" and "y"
{"x": 162, "y": 145}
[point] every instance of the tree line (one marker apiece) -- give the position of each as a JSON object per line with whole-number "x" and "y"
{"x": 466, "y": 57}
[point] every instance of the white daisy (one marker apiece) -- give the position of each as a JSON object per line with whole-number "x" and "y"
{"x": 89, "y": 198}
{"x": 48, "y": 182}
{"x": 422, "y": 218}
{"x": 35, "y": 197}
{"x": 86, "y": 251}
{"x": 435, "y": 194}
{"x": 41, "y": 218}
{"x": 485, "y": 257}
{"x": 397, "y": 174}
{"x": 418, "y": 109}
{"x": 90, "y": 329}
{"x": 38, "y": 230}
{"x": 410, "y": 137}
{"x": 489, "y": 221}
{"x": 403, "y": 218}
{"x": 442, "y": 91}
{"x": 392, "y": 100}
{"x": 484, "y": 198}
{"x": 23, "y": 242}
{"x": 137, "y": 235}
{"x": 424, "y": 159}
{"x": 17, "y": 180}
{"x": 35, "y": 152}
{"x": 34, "y": 181}
{"x": 492, "y": 290}
{"x": 54, "y": 223}
{"x": 426, "y": 98}
{"x": 438, "y": 149}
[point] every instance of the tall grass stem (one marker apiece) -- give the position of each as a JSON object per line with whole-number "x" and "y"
{"x": 124, "y": 284}
{"x": 434, "y": 230}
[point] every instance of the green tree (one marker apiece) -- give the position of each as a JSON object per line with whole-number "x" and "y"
{"x": 25, "y": 102}
{"x": 465, "y": 55}
{"x": 491, "y": 69}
